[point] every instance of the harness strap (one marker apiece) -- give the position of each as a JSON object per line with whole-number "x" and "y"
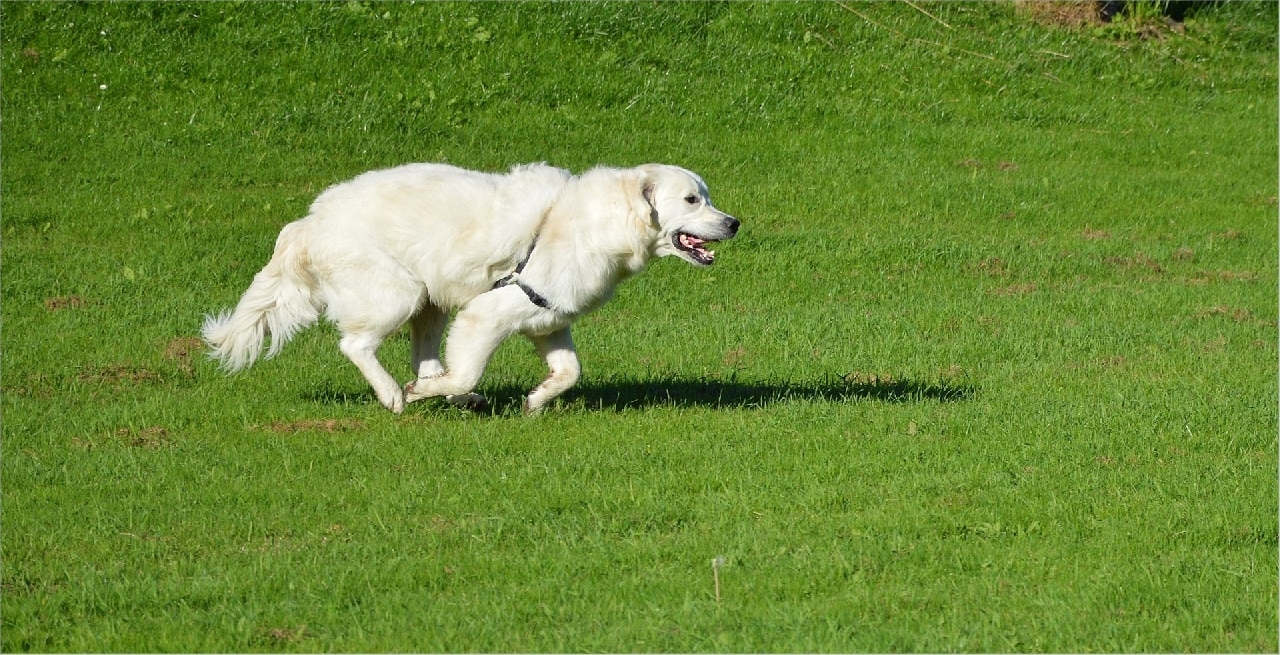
{"x": 534, "y": 297}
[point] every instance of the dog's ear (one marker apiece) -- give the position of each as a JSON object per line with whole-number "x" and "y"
{"x": 645, "y": 206}
{"x": 648, "y": 184}
{"x": 646, "y": 190}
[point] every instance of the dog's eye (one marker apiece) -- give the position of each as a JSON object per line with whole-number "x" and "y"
{"x": 692, "y": 199}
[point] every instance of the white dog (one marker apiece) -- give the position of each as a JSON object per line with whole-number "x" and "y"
{"x": 526, "y": 252}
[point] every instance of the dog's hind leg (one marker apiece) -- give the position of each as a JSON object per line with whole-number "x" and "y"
{"x": 368, "y": 305}
{"x": 562, "y": 360}
{"x": 362, "y": 348}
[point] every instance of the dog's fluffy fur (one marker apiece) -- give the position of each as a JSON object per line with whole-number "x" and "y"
{"x": 417, "y": 242}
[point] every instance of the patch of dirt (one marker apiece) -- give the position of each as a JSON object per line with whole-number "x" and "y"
{"x": 1205, "y": 277}
{"x": 869, "y": 379}
{"x": 1015, "y": 289}
{"x": 37, "y": 385}
{"x": 1083, "y": 15}
{"x": 1238, "y": 314}
{"x": 735, "y": 357}
{"x": 1061, "y": 13}
{"x": 441, "y": 524}
{"x": 993, "y": 266}
{"x": 284, "y": 635}
{"x": 1237, "y": 276}
{"x": 120, "y": 375}
{"x": 1147, "y": 30}
{"x": 1141, "y": 261}
{"x": 1006, "y": 166}
{"x": 334, "y": 532}
{"x": 1091, "y": 234}
{"x": 275, "y": 543}
{"x": 1107, "y": 363}
{"x": 59, "y": 303}
{"x": 1215, "y": 345}
{"x": 182, "y": 352}
{"x": 332, "y": 425}
{"x": 152, "y": 437}
{"x": 1112, "y": 361}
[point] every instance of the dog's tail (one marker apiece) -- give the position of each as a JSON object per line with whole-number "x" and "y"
{"x": 282, "y": 300}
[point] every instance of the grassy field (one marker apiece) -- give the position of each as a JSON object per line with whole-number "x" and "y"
{"x": 992, "y": 365}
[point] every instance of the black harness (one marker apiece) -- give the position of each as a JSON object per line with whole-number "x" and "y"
{"x": 534, "y": 297}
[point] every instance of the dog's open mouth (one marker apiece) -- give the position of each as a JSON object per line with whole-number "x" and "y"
{"x": 695, "y": 246}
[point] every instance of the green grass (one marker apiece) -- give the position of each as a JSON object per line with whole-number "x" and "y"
{"x": 992, "y": 365}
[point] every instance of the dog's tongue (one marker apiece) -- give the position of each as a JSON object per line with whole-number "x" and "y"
{"x": 691, "y": 241}
{"x": 695, "y": 245}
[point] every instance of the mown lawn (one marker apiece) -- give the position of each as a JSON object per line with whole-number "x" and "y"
{"x": 992, "y": 365}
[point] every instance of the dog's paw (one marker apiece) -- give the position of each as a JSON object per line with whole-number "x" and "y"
{"x": 532, "y": 410}
{"x": 393, "y": 401}
{"x": 469, "y": 401}
{"x": 415, "y": 390}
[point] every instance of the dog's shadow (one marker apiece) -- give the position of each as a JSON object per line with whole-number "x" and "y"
{"x": 618, "y": 394}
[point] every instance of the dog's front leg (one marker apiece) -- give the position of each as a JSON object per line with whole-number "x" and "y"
{"x": 476, "y": 333}
{"x": 562, "y": 360}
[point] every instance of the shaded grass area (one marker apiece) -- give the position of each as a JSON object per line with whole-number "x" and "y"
{"x": 991, "y": 366}
{"x": 619, "y": 395}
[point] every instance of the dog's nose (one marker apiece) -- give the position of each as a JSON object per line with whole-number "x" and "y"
{"x": 732, "y": 223}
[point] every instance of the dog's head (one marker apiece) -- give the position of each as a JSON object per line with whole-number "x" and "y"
{"x": 683, "y": 215}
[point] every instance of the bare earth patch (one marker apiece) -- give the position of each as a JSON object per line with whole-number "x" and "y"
{"x": 182, "y": 352}
{"x": 1065, "y": 13}
{"x": 1139, "y": 261}
{"x": 1201, "y": 278}
{"x": 735, "y": 357}
{"x": 282, "y": 636}
{"x": 120, "y": 375}
{"x": 1237, "y": 314}
{"x": 993, "y": 266}
{"x": 1237, "y": 276}
{"x": 152, "y": 437}
{"x": 59, "y": 303}
{"x": 331, "y": 426}
{"x": 1015, "y": 289}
